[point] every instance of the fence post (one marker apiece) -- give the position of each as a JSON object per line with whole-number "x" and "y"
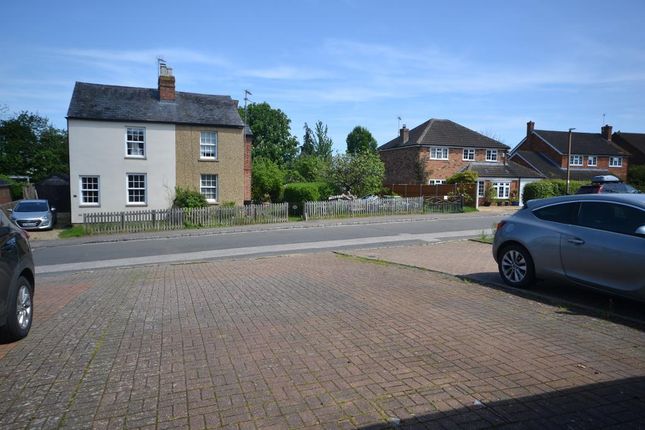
{"x": 122, "y": 221}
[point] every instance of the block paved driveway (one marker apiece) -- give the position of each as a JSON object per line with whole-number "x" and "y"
{"x": 312, "y": 341}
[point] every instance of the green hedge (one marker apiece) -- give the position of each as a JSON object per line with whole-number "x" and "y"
{"x": 549, "y": 188}
{"x": 299, "y": 192}
{"x": 636, "y": 177}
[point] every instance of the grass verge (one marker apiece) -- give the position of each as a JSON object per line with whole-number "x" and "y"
{"x": 75, "y": 231}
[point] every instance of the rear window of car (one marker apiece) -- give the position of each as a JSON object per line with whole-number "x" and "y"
{"x": 564, "y": 213}
{"x": 613, "y": 217}
{"x": 31, "y": 207}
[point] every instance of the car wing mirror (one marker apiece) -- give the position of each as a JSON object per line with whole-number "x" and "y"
{"x": 640, "y": 231}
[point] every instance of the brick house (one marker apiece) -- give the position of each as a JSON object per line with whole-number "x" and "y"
{"x": 634, "y": 143}
{"x": 130, "y": 147}
{"x": 437, "y": 149}
{"x": 547, "y": 152}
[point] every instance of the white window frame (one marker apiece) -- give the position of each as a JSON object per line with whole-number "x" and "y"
{"x": 83, "y": 191}
{"x": 575, "y": 160}
{"x": 203, "y": 188}
{"x": 481, "y": 188}
{"x": 592, "y": 160}
{"x": 206, "y": 142}
{"x": 439, "y": 153}
{"x": 615, "y": 161}
{"x": 502, "y": 189}
{"x": 144, "y": 188}
{"x": 129, "y": 143}
{"x": 468, "y": 154}
{"x": 491, "y": 155}
{"x": 436, "y": 181}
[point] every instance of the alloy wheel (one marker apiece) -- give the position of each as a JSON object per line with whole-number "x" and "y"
{"x": 514, "y": 266}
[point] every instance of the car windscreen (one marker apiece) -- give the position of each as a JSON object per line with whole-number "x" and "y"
{"x": 31, "y": 207}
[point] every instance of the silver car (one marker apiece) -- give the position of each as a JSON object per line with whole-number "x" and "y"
{"x": 594, "y": 240}
{"x": 34, "y": 215}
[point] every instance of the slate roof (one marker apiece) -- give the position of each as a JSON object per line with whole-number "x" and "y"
{"x": 117, "y": 103}
{"x": 443, "y": 132}
{"x": 498, "y": 170}
{"x": 632, "y": 142}
{"x": 581, "y": 143}
{"x": 550, "y": 170}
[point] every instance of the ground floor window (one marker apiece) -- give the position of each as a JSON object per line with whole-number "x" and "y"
{"x": 89, "y": 190}
{"x": 137, "y": 188}
{"x": 502, "y": 189}
{"x": 208, "y": 187}
{"x": 436, "y": 181}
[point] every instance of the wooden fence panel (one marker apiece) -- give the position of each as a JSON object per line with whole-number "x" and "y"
{"x": 177, "y": 218}
{"x": 362, "y": 207}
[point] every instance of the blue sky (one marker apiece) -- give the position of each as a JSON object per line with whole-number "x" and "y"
{"x": 488, "y": 65}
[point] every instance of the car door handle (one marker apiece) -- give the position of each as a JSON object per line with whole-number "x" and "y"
{"x": 576, "y": 241}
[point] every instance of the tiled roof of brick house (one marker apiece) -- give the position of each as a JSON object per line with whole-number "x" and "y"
{"x": 443, "y": 132}
{"x": 581, "y": 143}
{"x": 550, "y": 170}
{"x": 498, "y": 170}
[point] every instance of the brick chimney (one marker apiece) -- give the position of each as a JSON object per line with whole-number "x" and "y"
{"x": 606, "y": 131}
{"x": 405, "y": 134}
{"x": 530, "y": 126}
{"x": 166, "y": 83}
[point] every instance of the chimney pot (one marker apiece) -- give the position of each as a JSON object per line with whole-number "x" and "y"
{"x": 530, "y": 126}
{"x": 405, "y": 134}
{"x": 606, "y": 131}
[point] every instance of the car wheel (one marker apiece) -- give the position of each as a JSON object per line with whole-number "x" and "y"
{"x": 21, "y": 309}
{"x": 516, "y": 266}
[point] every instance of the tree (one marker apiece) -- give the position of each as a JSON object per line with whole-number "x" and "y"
{"x": 267, "y": 180}
{"x": 360, "y": 140}
{"x": 322, "y": 142}
{"x": 360, "y": 174}
{"x": 309, "y": 168}
{"x": 272, "y": 137}
{"x": 308, "y": 147}
{"x": 467, "y": 177}
{"x": 31, "y": 146}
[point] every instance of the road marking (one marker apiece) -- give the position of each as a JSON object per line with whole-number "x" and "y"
{"x": 253, "y": 250}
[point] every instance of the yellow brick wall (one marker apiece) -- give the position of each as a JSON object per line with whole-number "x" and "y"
{"x": 229, "y": 166}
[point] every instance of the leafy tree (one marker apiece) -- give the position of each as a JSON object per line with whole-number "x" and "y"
{"x": 309, "y": 168}
{"x": 360, "y": 174}
{"x": 31, "y": 146}
{"x": 272, "y": 137}
{"x": 267, "y": 180}
{"x": 467, "y": 177}
{"x": 360, "y": 140}
{"x": 322, "y": 142}
{"x": 636, "y": 176}
{"x": 307, "y": 147}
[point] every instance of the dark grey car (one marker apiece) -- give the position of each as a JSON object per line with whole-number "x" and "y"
{"x": 16, "y": 280}
{"x": 595, "y": 240}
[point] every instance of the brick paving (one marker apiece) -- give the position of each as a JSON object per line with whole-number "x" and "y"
{"x": 314, "y": 341}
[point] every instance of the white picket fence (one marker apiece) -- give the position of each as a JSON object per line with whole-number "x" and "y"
{"x": 177, "y": 218}
{"x": 362, "y": 207}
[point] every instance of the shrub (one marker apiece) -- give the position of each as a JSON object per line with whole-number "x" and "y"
{"x": 549, "y": 188}
{"x": 185, "y": 198}
{"x": 300, "y": 192}
{"x": 267, "y": 180}
{"x": 636, "y": 177}
{"x": 14, "y": 187}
